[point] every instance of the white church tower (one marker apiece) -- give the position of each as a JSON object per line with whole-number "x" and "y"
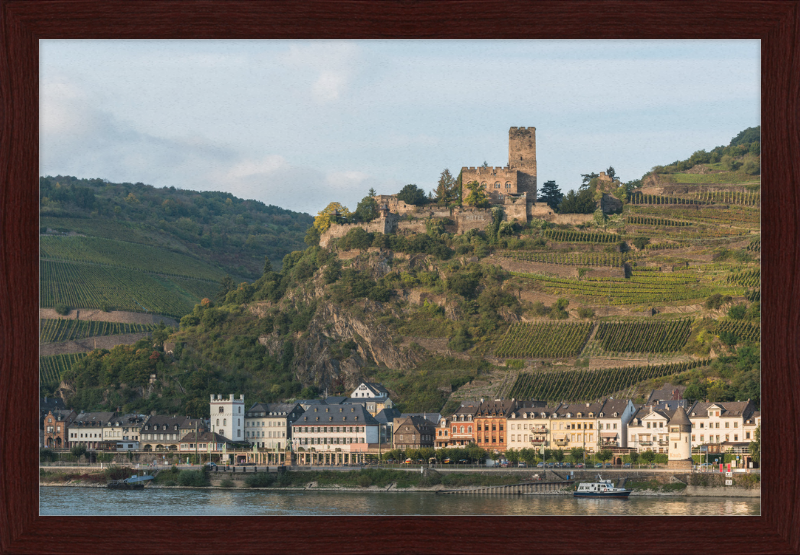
{"x": 227, "y": 417}
{"x": 680, "y": 441}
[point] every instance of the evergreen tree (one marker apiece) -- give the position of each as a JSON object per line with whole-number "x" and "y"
{"x": 477, "y": 195}
{"x": 577, "y": 203}
{"x": 445, "y": 190}
{"x": 551, "y": 194}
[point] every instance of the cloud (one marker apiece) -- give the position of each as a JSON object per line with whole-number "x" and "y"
{"x": 328, "y": 67}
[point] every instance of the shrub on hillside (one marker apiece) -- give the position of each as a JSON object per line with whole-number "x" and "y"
{"x": 585, "y": 312}
{"x": 737, "y": 311}
{"x": 716, "y": 300}
{"x": 62, "y": 309}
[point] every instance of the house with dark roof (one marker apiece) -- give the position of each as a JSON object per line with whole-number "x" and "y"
{"x": 269, "y": 426}
{"x": 205, "y": 442}
{"x": 374, "y": 405}
{"x": 87, "y": 429}
{"x": 648, "y": 429}
{"x": 386, "y": 420}
{"x": 164, "y": 433}
{"x": 332, "y": 434}
{"x": 668, "y": 392}
{"x": 413, "y": 432}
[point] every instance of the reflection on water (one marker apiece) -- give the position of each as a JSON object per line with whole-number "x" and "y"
{"x": 63, "y": 501}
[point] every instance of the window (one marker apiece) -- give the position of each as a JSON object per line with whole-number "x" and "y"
{"x": 727, "y": 424}
{"x": 717, "y": 426}
{"x": 702, "y": 438}
{"x": 747, "y": 435}
{"x": 615, "y": 426}
{"x": 676, "y": 446}
{"x": 648, "y": 425}
{"x": 735, "y": 437}
{"x": 735, "y": 424}
{"x": 692, "y": 437}
{"x": 469, "y": 429}
{"x": 221, "y": 410}
{"x": 224, "y": 421}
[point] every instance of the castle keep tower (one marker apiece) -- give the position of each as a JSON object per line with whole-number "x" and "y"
{"x": 518, "y": 177}
{"x": 522, "y": 158}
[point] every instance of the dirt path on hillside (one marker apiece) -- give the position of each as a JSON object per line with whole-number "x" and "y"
{"x": 89, "y": 343}
{"x": 118, "y": 316}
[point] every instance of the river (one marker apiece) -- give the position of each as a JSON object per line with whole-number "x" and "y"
{"x": 72, "y": 501}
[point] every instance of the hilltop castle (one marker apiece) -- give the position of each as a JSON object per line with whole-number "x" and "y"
{"x": 511, "y": 188}
{"x": 518, "y": 178}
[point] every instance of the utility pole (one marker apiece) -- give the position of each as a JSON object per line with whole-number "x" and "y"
{"x": 195, "y": 440}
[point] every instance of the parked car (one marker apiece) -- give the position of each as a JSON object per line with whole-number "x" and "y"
{"x": 598, "y": 465}
{"x": 626, "y": 465}
{"x": 389, "y": 460}
{"x": 609, "y": 465}
{"x": 558, "y": 465}
{"x": 550, "y": 465}
{"x": 504, "y": 464}
{"x": 211, "y": 465}
{"x": 567, "y": 465}
{"x": 540, "y": 465}
{"x": 579, "y": 465}
{"x": 463, "y": 461}
{"x": 522, "y": 465}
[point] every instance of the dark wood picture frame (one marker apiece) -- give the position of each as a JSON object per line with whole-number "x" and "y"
{"x": 776, "y": 23}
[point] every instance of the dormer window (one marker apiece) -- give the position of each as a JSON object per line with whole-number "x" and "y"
{"x": 356, "y": 417}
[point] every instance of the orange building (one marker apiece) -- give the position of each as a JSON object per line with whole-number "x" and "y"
{"x": 491, "y": 423}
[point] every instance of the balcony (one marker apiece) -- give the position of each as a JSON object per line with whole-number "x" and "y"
{"x": 539, "y": 429}
{"x": 539, "y": 441}
{"x": 663, "y": 443}
{"x": 646, "y": 443}
{"x": 562, "y": 442}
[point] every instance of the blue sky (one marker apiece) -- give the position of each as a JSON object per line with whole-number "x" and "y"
{"x": 299, "y": 124}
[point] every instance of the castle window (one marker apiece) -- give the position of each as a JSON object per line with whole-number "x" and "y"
{"x": 508, "y": 186}
{"x": 496, "y": 184}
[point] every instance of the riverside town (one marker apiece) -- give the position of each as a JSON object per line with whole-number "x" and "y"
{"x": 489, "y": 336}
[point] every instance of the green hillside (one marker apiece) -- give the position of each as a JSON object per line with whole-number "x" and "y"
{"x": 138, "y": 248}
{"x": 666, "y": 289}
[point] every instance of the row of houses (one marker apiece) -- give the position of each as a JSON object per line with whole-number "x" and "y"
{"x": 344, "y": 430}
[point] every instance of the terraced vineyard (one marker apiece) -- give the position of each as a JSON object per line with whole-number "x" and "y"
{"x": 740, "y": 328}
{"x": 53, "y": 331}
{"x": 580, "y": 237}
{"x": 569, "y": 259}
{"x": 662, "y": 246}
{"x": 749, "y": 278}
{"x": 641, "y": 288}
{"x": 587, "y": 385}
{"x": 51, "y": 368}
{"x": 733, "y": 214}
{"x": 644, "y": 337}
{"x": 639, "y": 198}
{"x": 123, "y": 254}
{"x": 544, "y": 340}
{"x": 96, "y": 286}
{"x": 755, "y": 245}
{"x": 644, "y": 220}
{"x": 730, "y": 197}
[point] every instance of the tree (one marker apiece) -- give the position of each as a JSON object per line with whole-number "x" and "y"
{"x": 577, "y": 203}
{"x": 513, "y": 456}
{"x": 755, "y": 446}
{"x": 267, "y": 265}
{"x": 367, "y": 209}
{"x": 78, "y": 450}
{"x": 323, "y": 220}
{"x": 576, "y": 453}
{"x": 648, "y": 457}
{"x": 604, "y": 455}
{"x": 477, "y": 195}
{"x": 411, "y": 194}
{"x": 558, "y": 455}
{"x": 445, "y": 189}
{"x": 528, "y": 455}
{"x": 312, "y": 237}
{"x": 611, "y": 172}
{"x": 551, "y": 194}
{"x": 226, "y": 285}
{"x": 640, "y": 242}
{"x": 587, "y": 179}
{"x": 634, "y": 456}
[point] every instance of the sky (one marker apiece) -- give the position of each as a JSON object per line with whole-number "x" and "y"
{"x": 299, "y": 124}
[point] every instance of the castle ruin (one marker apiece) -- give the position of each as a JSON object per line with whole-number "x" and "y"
{"x": 518, "y": 177}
